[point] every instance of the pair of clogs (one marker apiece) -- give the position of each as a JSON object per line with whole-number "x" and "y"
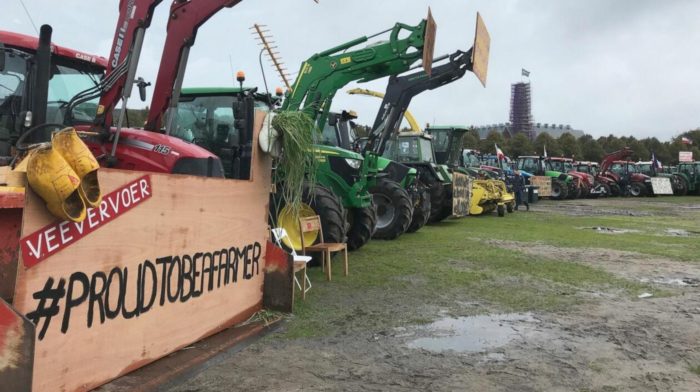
{"x": 64, "y": 174}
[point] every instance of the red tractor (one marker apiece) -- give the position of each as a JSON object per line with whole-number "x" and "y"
{"x": 586, "y": 182}
{"x": 608, "y": 186}
{"x": 630, "y": 181}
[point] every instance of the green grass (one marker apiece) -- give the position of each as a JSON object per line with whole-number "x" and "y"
{"x": 445, "y": 266}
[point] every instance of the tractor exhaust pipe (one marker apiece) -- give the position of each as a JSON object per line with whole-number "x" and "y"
{"x": 41, "y": 85}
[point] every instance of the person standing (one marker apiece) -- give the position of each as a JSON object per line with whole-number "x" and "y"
{"x": 519, "y": 189}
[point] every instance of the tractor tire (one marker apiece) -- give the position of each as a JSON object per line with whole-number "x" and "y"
{"x": 362, "y": 223}
{"x": 421, "y": 212}
{"x": 394, "y": 209}
{"x": 680, "y": 188}
{"x": 607, "y": 189}
{"x": 637, "y": 189}
{"x": 559, "y": 190}
{"x": 574, "y": 191}
{"x": 316, "y": 200}
{"x": 438, "y": 194}
{"x": 501, "y": 210}
{"x": 615, "y": 190}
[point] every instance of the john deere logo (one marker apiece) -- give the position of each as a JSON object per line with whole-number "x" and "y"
{"x": 333, "y": 64}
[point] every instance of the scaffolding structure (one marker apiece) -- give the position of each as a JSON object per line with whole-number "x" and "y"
{"x": 521, "y": 110}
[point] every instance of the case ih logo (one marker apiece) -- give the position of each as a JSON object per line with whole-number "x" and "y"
{"x": 57, "y": 236}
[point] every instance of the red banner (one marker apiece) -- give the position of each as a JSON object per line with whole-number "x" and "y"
{"x": 59, "y": 235}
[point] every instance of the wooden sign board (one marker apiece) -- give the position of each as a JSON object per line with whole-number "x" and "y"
{"x": 461, "y": 194}
{"x": 661, "y": 186}
{"x": 544, "y": 183}
{"x": 685, "y": 156}
{"x": 16, "y": 350}
{"x": 429, "y": 43}
{"x": 169, "y": 260}
{"x": 480, "y": 50}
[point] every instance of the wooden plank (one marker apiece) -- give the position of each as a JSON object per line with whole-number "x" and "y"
{"x": 16, "y": 350}
{"x": 10, "y": 227}
{"x": 544, "y": 183}
{"x": 181, "y": 265}
{"x": 480, "y": 50}
{"x": 461, "y": 194}
{"x": 278, "y": 293}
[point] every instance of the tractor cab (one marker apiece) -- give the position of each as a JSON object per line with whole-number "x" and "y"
{"x": 71, "y": 72}
{"x": 447, "y": 142}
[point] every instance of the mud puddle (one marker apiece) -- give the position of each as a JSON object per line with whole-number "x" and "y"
{"x": 474, "y": 333}
{"x": 610, "y": 230}
{"x": 680, "y": 233}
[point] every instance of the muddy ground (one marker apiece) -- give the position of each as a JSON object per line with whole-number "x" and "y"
{"x": 610, "y": 341}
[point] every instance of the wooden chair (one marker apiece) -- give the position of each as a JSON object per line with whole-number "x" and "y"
{"x": 300, "y": 263}
{"x": 313, "y": 223}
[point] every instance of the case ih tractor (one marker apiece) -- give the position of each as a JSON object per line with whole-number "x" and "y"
{"x": 638, "y": 184}
{"x": 609, "y": 186}
{"x": 588, "y": 187}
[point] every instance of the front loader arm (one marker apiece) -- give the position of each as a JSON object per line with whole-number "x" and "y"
{"x": 323, "y": 74}
{"x": 134, "y": 18}
{"x": 186, "y": 16}
{"x": 620, "y": 155}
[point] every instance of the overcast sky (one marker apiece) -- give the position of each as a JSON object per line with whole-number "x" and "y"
{"x": 627, "y": 67}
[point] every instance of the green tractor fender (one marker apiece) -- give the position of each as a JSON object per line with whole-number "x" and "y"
{"x": 341, "y": 171}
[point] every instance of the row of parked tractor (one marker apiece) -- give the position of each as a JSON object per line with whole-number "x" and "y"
{"x": 614, "y": 176}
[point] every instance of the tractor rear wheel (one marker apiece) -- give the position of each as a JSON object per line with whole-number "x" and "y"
{"x": 607, "y": 189}
{"x": 316, "y": 200}
{"x": 637, "y": 189}
{"x": 362, "y": 222}
{"x": 680, "y": 188}
{"x": 394, "y": 209}
{"x": 615, "y": 190}
{"x": 559, "y": 190}
{"x": 421, "y": 212}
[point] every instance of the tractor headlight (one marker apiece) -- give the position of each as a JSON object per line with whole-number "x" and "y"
{"x": 353, "y": 163}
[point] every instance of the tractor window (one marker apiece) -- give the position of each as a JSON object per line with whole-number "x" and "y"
{"x": 645, "y": 168}
{"x": 67, "y": 80}
{"x": 568, "y": 166}
{"x": 529, "y": 165}
{"x": 616, "y": 168}
{"x": 329, "y": 136}
{"x": 556, "y": 165}
{"x": 470, "y": 159}
{"x": 631, "y": 168}
{"x": 440, "y": 140}
{"x": 11, "y": 91}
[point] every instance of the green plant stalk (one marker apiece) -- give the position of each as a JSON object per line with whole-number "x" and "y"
{"x": 296, "y": 163}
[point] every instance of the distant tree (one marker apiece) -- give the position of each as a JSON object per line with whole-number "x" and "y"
{"x": 518, "y": 145}
{"x": 487, "y": 145}
{"x": 569, "y": 146}
{"x": 546, "y": 140}
{"x": 590, "y": 149}
{"x": 470, "y": 140}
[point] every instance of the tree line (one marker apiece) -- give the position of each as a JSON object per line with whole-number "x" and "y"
{"x": 586, "y": 147}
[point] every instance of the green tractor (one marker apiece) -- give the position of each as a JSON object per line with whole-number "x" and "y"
{"x": 562, "y": 184}
{"x": 690, "y": 173}
{"x": 679, "y": 185}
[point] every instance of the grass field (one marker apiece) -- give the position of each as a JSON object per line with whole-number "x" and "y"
{"x": 394, "y": 282}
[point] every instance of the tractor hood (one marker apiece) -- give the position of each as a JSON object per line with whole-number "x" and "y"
{"x": 336, "y": 151}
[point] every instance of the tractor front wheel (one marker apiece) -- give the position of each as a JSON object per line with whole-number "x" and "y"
{"x": 637, "y": 189}
{"x": 559, "y": 190}
{"x": 362, "y": 222}
{"x": 421, "y": 212}
{"x": 394, "y": 209}
{"x": 316, "y": 200}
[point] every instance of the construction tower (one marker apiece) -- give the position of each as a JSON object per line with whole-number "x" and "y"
{"x": 521, "y": 109}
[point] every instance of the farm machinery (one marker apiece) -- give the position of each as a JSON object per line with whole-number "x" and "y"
{"x": 609, "y": 186}
{"x": 690, "y": 173}
{"x": 587, "y": 186}
{"x": 626, "y": 177}
{"x": 414, "y": 149}
{"x": 679, "y": 182}
{"x": 563, "y": 185}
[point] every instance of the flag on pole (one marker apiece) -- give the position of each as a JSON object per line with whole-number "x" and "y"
{"x": 525, "y": 73}
{"x": 655, "y": 163}
{"x": 545, "y": 150}
{"x": 686, "y": 140}
{"x": 499, "y": 153}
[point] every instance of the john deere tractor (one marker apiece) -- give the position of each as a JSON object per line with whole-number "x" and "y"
{"x": 679, "y": 184}
{"x": 690, "y": 172}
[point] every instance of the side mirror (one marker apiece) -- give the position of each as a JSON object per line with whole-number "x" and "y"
{"x": 2, "y": 57}
{"x": 142, "y": 84}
